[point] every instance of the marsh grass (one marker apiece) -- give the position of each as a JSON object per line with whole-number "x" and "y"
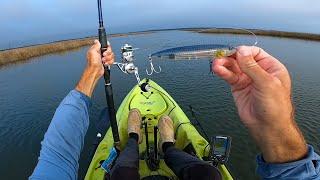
{"x": 24, "y": 53}
{"x": 15, "y": 55}
{"x": 283, "y": 34}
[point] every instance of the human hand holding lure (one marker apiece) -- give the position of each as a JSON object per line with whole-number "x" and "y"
{"x": 261, "y": 88}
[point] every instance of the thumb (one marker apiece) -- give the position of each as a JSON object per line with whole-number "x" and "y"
{"x": 96, "y": 46}
{"x": 250, "y": 67}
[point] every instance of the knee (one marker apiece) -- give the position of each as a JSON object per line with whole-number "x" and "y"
{"x": 205, "y": 172}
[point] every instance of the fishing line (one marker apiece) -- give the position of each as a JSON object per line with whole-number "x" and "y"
{"x": 254, "y": 35}
{"x": 256, "y": 40}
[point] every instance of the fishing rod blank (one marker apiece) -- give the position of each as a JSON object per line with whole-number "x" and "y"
{"x": 108, "y": 86}
{"x": 102, "y": 31}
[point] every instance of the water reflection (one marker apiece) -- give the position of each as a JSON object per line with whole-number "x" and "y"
{"x": 30, "y": 92}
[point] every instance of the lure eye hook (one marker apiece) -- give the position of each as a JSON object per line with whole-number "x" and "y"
{"x": 152, "y": 69}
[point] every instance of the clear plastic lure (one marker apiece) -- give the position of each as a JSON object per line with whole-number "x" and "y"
{"x": 200, "y": 51}
{"x": 195, "y": 52}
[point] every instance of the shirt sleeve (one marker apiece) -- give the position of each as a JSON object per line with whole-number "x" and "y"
{"x": 307, "y": 168}
{"x": 64, "y": 139}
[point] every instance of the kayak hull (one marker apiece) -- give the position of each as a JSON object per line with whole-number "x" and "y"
{"x": 152, "y": 105}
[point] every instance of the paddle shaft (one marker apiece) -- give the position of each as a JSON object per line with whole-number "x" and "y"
{"x": 108, "y": 86}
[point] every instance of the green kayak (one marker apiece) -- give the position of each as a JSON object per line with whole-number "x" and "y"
{"x": 152, "y": 105}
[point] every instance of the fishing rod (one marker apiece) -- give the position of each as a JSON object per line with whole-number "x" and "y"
{"x": 108, "y": 85}
{"x": 193, "y": 114}
{"x": 220, "y": 144}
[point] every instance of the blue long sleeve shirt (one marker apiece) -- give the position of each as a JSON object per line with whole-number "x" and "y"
{"x": 64, "y": 139}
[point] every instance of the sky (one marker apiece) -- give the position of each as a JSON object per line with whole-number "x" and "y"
{"x": 35, "y": 21}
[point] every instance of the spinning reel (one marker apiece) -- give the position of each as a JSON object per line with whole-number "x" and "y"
{"x": 127, "y": 65}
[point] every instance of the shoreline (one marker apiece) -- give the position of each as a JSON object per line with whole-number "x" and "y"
{"x": 19, "y": 54}
{"x": 25, "y": 53}
{"x": 259, "y": 32}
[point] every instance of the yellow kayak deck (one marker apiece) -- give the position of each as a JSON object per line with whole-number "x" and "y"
{"x": 152, "y": 105}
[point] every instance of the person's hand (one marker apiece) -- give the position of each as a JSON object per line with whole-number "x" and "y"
{"x": 94, "y": 69}
{"x": 261, "y": 88}
{"x": 95, "y": 62}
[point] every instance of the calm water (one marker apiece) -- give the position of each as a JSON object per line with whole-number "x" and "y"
{"x": 30, "y": 92}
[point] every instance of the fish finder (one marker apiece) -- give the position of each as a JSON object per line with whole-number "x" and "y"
{"x": 220, "y": 149}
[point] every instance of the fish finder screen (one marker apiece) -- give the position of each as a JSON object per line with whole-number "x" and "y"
{"x": 220, "y": 146}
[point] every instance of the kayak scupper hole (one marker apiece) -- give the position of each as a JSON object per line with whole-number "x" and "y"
{"x": 148, "y": 109}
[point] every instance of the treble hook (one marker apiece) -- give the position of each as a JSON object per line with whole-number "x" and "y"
{"x": 152, "y": 69}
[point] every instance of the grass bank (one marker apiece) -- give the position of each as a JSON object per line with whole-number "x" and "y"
{"x": 19, "y": 54}
{"x": 24, "y": 53}
{"x": 273, "y": 33}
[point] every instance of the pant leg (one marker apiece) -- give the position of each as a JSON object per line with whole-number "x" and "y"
{"x": 127, "y": 164}
{"x": 186, "y": 166}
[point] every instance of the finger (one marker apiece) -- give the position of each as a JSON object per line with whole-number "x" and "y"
{"x": 108, "y": 60}
{"x": 248, "y": 65}
{"x": 96, "y": 46}
{"x": 108, "y": 51}
{"x": 269, "y": 63}
{"x": 258, "y": 53}
{"x": 225, "y": 74}
{"x": 223, "y": 62}
{"x": 229, "y": 63}
{"x": 226, "y": 69}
